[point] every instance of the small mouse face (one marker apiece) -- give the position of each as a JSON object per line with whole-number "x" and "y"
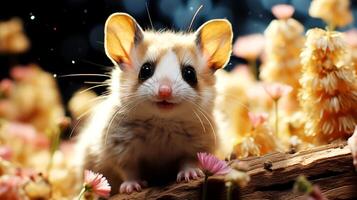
{"x": 166, "y": 73}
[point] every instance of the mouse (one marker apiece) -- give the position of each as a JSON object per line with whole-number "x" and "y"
{"x": 159, "y": 111}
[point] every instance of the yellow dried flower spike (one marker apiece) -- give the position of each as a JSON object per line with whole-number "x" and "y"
{"x": 329, "y": 90}
{"x": 259, "y": 141}
{"x": 284, "y": 41}
{"x": 333, "y": 12}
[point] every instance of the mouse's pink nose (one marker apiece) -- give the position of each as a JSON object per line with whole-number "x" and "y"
{"x": 165, "y": 92}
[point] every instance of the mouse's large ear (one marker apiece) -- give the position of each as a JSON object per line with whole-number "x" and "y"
{"x": 121, "y": 34}
{"x": 215, "y": 40}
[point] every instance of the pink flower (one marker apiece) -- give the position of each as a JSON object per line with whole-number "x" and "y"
{"x": 96, "y": 183}
{"x": 211, "y": 165}
{"x": 249, "y": 46}
{"x": 316, "y": 194}
{"x": 9, "y": 187}
{"x": 28, "y": 134}
{"x": 243, "y": 71}
{"x": 351, "y": 37}
{"x": 257, "y": 118}
{"x": 312, "y": 192}
{"x": 277, "y": 90}
{"x": 25, "y": 173}
{"x": 283, "y": 11}
{"x": 5, "y": 152}
{"x": 6, "y": 86}
{"x": 22, "y": 72}
{"x": 352, "y": 143}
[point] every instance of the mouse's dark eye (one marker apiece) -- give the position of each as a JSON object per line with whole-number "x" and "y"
{"x": 189, "y": 75}
{"x": 146, "y": 71}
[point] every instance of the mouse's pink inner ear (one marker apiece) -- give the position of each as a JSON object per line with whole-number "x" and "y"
{"x": 121, "y": 34}
{"x": 215, "y": 40}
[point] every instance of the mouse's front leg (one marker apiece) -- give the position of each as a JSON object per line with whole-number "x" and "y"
{"x": 131, "y": 180}
{"x": 189, "y": 171}
{"x": 127, "y": 167}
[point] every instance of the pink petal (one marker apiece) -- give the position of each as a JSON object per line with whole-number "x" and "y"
{"x": 5, "y": 152}
{"x": 23, "y": 131}
{"x": 277, "y": 90}
{"x": 283, "y": 11}
{"x": 97, "y": 182}
{"x": 212, "y": 164}
{"x": 22, "y": 72}
{"x": 257, "y": 118}
{"x": 6, "y": 86}
{"x": 249, "y": 46}
{"x": 351, "y": 37}
{"x": 242, "y": 69}
{"x": 316, "y": 193}
{"x": 28, "y": 134}
{"x": 10, "y": 187}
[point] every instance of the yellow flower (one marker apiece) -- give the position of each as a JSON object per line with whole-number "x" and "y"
{"x": 329, "y": 90}
{"x": 333, "y": 12}
{"x": 284, "y": 41}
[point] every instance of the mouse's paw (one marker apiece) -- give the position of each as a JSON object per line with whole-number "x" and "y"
{"x": 189, "y": 173}
{"x": 127, "y": 187}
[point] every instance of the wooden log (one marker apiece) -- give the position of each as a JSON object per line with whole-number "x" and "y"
{"x": 329, "y": 166}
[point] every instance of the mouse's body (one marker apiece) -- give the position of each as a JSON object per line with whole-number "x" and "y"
{"x": 158, "y": 114}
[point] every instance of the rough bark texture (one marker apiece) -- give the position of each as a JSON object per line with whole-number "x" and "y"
{"x": 328, "y": 166}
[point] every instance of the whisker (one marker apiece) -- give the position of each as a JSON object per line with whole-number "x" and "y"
{"x": 75, "y": 75}
{"x": 79, "y": 118}
{"x": 110, "y": 124}
{"x": 211, "y": 125}
{"x": 98, "y": 98}
{"x": 96, "y": 86}
{"x": 94, "y": 82}
{"x": 74, "y": 128}
{"x": 206, "y": 116}
{"x": 147, "y": 10}
{"x": 194, "y": 17}
{"x": 95, "y": 64}
{"x": 113, "y": 118}
{"x": 237, "y": 101}
{"x": 199, "y": 118}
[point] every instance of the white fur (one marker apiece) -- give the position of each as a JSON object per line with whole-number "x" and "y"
{"x": 123, "y": 132}
{"x": 168, "y": 67}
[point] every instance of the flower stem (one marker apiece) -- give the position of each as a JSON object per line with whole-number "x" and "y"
{"x": 205, "y": 183}
{"x": 331, "y": 27}
{"x": 276, "y": 118}
{"x": 229, "y": 190}
{"x": 82, "y": 193}
{"x": 55, "y": 142}
{"x": 253, "y": 67}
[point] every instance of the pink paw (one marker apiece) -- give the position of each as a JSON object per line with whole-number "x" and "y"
{"x": 127, "y": 187}
{"x": 189, "y": 173}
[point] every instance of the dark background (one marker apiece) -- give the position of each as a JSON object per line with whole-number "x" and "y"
{"x": 67, "y": 35}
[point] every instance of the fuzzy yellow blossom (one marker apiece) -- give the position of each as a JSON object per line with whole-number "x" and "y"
{"x": 38, "y": 187}
{"x": 232, "y": 110}
{"x": 63, "y": 172}
{"x": 237, "y": 94}
{"x": 329, "y": 90}
{"x": 259, "y": 140}
{"x": 12, "y": 37}
{"x": 35, "y": 98}
{"x": 333, "y": 12}
{"x": 284, "y": 41}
